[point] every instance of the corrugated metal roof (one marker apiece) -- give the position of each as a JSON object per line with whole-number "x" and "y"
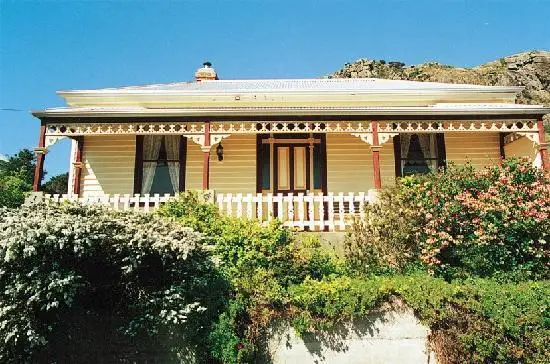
{"x": 309, "y": 85}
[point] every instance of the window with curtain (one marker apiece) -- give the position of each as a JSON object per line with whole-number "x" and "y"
{"x": 420, "y": 153}
{"x": 161, "y": 164}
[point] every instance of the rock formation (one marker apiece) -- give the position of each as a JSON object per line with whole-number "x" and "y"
{"x": 529, "y": 69}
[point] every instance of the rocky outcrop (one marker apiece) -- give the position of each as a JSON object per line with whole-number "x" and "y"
{"x": 529, "y": 69}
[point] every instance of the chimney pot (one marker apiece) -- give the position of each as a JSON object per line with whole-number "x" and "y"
{"x": 206, "y": 72}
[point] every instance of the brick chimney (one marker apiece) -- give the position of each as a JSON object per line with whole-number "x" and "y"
{"x": 206, "y": 72}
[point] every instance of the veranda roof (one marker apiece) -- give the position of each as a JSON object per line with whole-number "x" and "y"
{"x": 339, "y": 97}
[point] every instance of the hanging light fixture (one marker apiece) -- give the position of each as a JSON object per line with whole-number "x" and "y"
{"x": 219, "y": 151}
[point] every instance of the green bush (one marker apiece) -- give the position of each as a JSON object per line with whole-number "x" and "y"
{"x": 489, "y": 222}
{"x": 243, "y": 247}
{"x": 261, "y": 262}
{"x": 89, "y": 284}
{"x": 479, "y": 321}
{"x": 57, "y": 184}
{"x": 384, "y": 240}
{"x": 13, "y": 191}
{"x": 460, "y": 222}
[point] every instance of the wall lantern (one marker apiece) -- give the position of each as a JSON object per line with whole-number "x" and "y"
{"x": 219, "y": 151}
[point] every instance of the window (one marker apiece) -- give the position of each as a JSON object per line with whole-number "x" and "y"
{"x": 160, "y": 164}
{"x": 418, "y": 153}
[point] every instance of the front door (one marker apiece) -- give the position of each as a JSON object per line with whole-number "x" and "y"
{"x": 292, "y": 168}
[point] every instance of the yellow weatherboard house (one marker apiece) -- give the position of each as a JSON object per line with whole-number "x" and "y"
{"x": 311, "y": 152}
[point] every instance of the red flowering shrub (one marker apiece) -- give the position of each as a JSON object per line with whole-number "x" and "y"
{"x": 484, "y": 222}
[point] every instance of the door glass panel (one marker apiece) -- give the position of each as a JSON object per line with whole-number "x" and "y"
{"x": 300, "y": 171}
{"x": 283, "y": 179}
{"x": 317, "y": 167}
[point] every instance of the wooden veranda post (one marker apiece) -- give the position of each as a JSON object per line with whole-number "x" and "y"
{"x": 40, "y": 152}
{"x": 375, "y": 148}
{"x": 77, "y": 165}
{"x": 206, "y": 157}
{"x": 543, "y": 146}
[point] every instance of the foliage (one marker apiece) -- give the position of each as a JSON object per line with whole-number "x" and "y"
{"x": 21, "y": 165}
{"x": 193, "y": 211}
{"x": 460, "y": 222}
{"x": 57, "y": 184}
{"x": 114, "y": 285}
{"x": 12, "y": 191}
{"x": 383, "y": 241}
{"x": 260, "y": 262}
{"x": 494, "y": 221}
{"x": 481, "y": 321}
{"x": 273, "y": 277}
{"x": 16, "y": 178}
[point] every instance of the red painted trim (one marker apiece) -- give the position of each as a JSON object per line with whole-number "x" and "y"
{"x": 78, "y": 167}
{"x": 376, "y": 156}
{"x": 206, "y": 170}
{"x": 206, "y": 158}
{"x": 543, "y": 148}
{"x": 39, "y": 169}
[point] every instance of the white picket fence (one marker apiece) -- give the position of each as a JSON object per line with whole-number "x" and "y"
{"x": 312, "y": 211}
{"x": 125, "y": 202}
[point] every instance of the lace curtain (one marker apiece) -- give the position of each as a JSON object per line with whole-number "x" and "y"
{"x": 405, "y": 144}
{"x": 172, "y": 144}
{"x": 428, "y": 147}
{"x": 151, "y": 148}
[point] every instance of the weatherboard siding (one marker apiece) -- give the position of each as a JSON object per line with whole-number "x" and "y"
{"x": 109, "y": 162}
{"x": 349, "y": 164}
{"x": 480, "y": 149}
{"x": 108, "y": 165}
{"x": 235, "y": 174}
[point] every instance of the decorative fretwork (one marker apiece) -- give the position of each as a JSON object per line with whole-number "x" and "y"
{"x": 214, "y": 139}
{"x": 219, "y": 130}
{"x": 52, "y": 139}
{"x": 290, "y": 127}
{"x": 457, "y": 126}
{"x": 382, "y": 137}
{"x": 531, "y": 136}
{"x": 512, "y": 137}
{"x": 126, "y": 128}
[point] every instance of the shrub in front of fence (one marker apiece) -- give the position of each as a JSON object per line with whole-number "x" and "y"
{"x": 460, "y": 222}
{"x": 260, "y": 261}
{"x": 90, "y": 284}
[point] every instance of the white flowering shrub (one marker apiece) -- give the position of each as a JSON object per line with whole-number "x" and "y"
{"x": 89, "y": 284}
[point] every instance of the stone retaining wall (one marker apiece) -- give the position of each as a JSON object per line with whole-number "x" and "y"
{"x": 390, "y": 335}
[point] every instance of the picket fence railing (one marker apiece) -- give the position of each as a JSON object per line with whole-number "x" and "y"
{"x": 125, "y": 202}
{"x": 311, "y": 211}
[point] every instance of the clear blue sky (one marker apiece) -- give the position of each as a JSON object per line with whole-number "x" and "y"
{"x": 53, "y": 45}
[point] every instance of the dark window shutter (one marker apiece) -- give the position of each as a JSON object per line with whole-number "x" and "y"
{"x": 138, "y": 165}
{"x": 397, "y": 155}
